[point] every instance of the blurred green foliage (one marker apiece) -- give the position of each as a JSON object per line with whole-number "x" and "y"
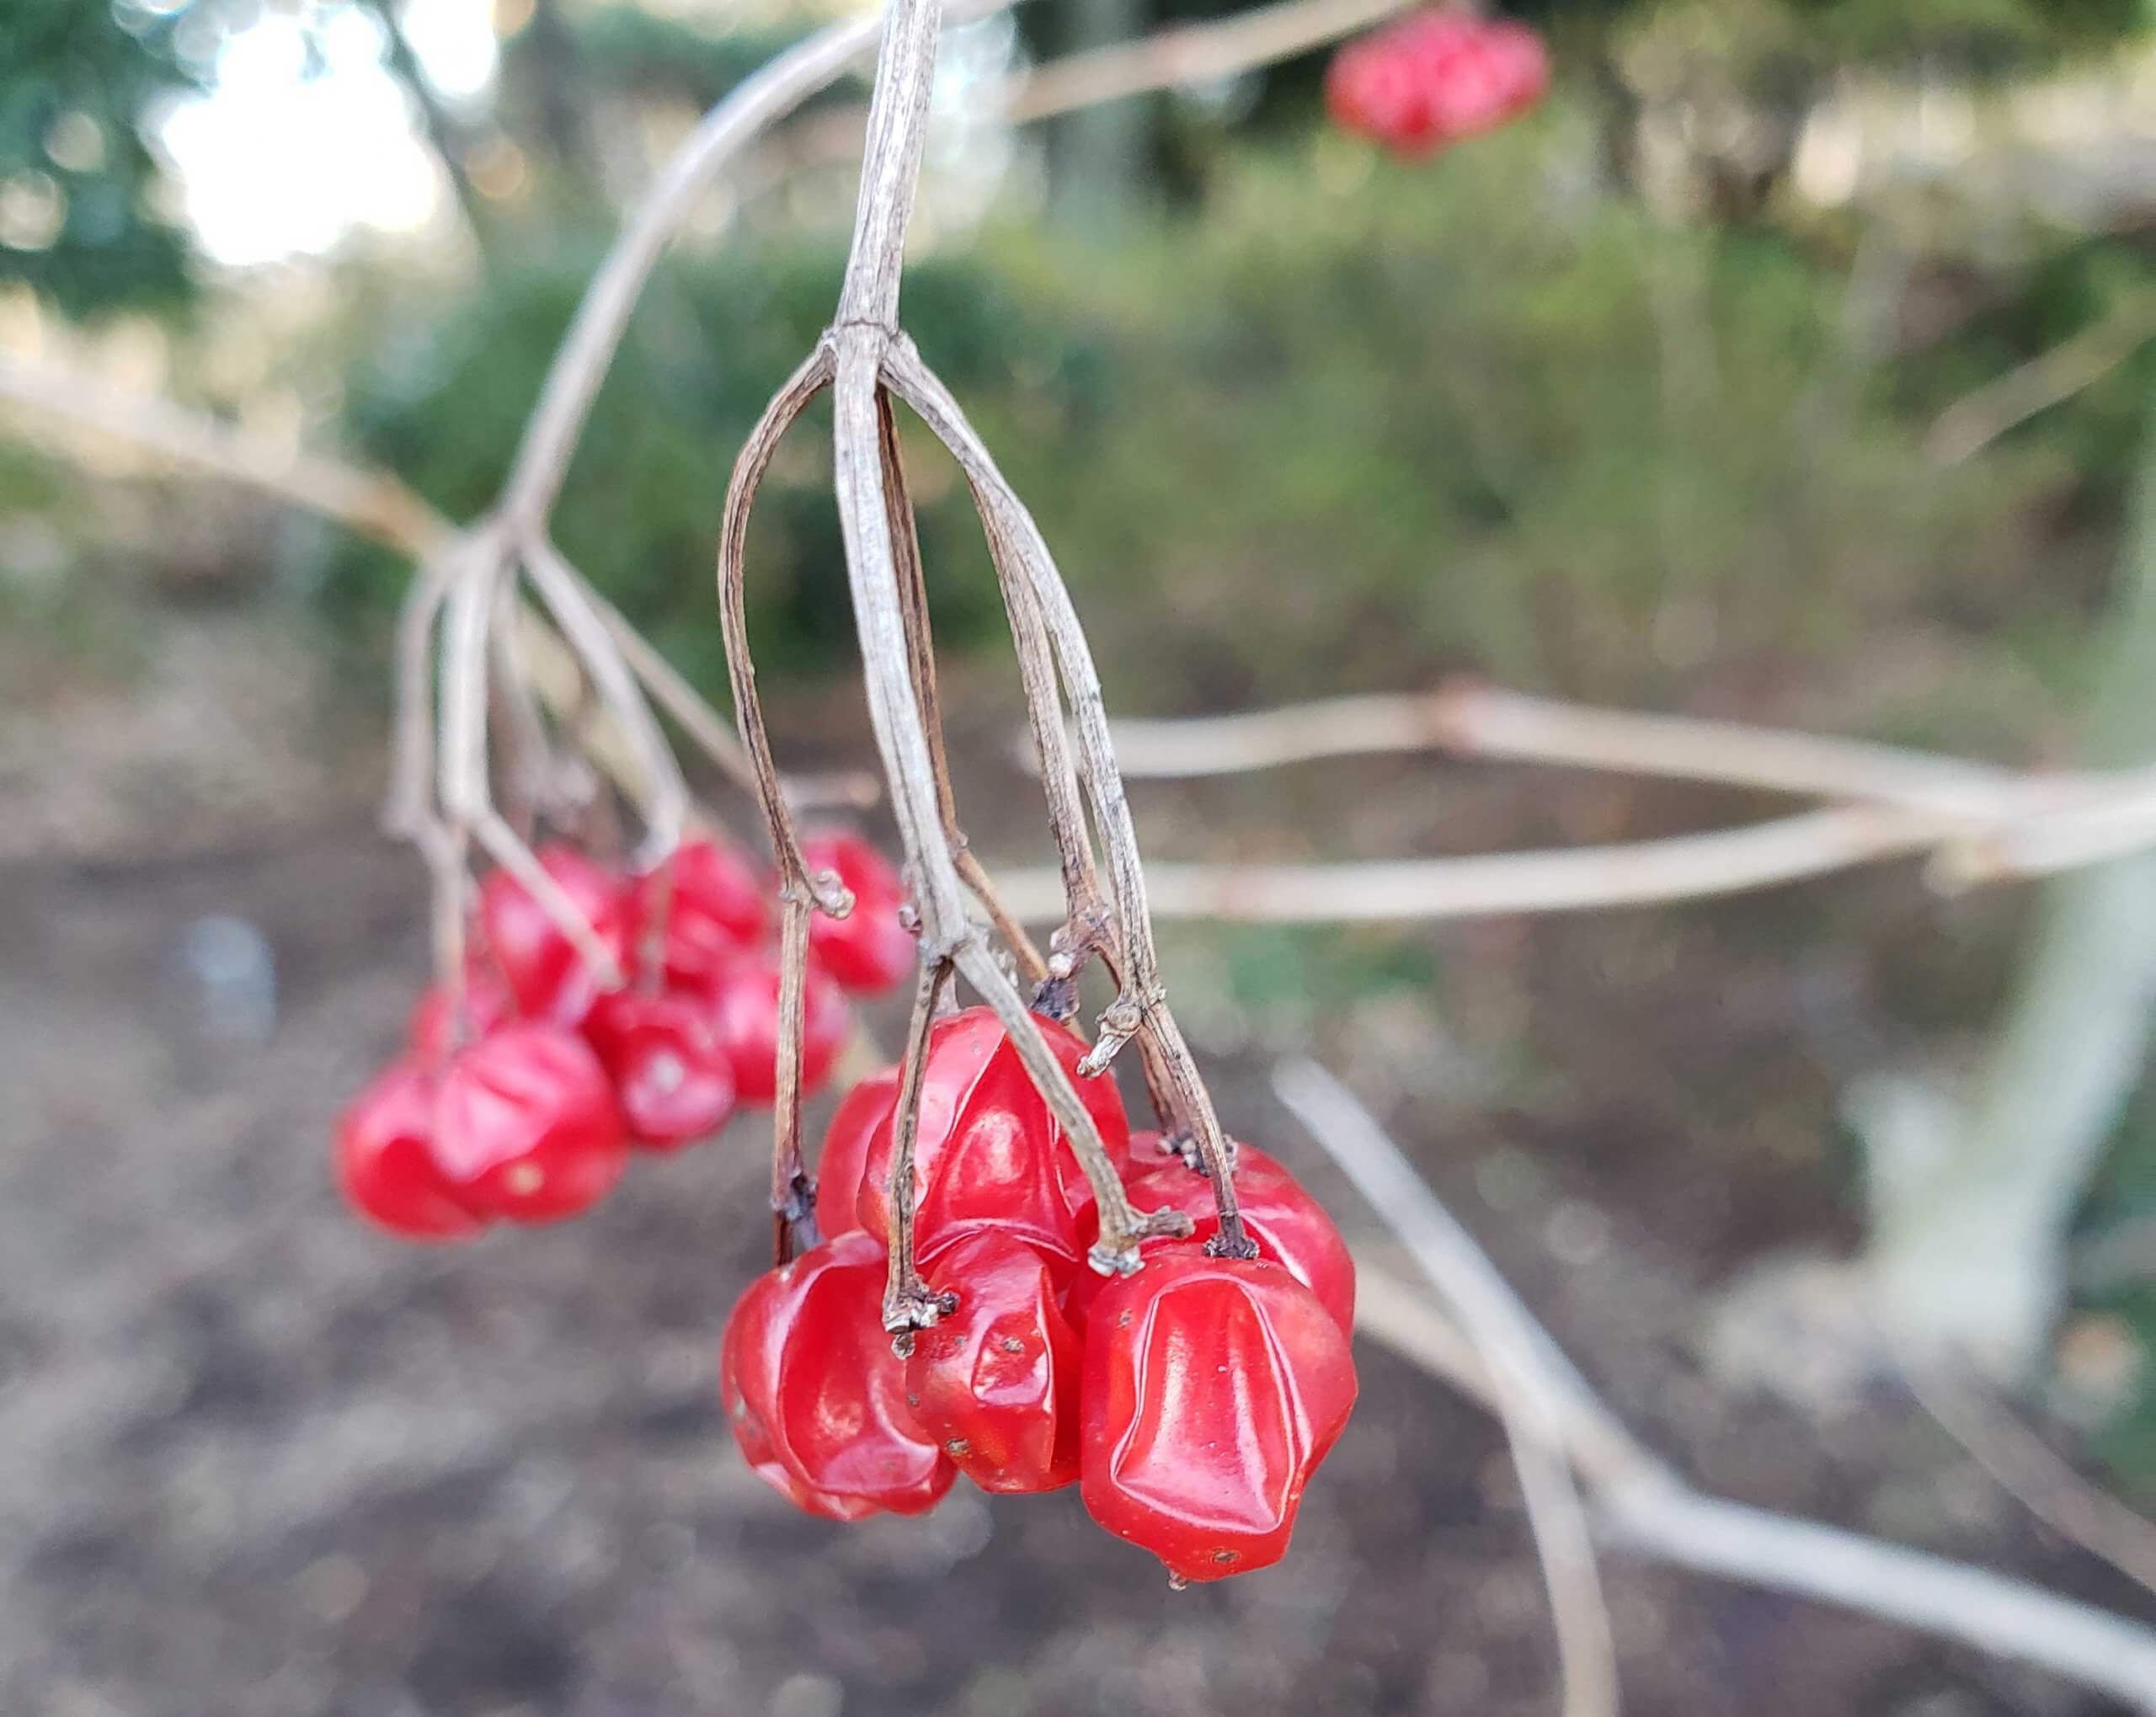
{"x": 79, "y": 220}
{"x": 1362, "y": 423}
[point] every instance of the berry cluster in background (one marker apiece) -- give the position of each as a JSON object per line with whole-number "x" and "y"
{"x": 1191, "y": 1401}
{"x": 1436, "y": 79}
{"x": 521, "y": 1091}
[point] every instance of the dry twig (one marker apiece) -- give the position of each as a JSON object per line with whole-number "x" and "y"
{"x": 1640, "y": 1505}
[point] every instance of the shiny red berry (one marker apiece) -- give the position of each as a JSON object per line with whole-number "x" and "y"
{"x": 744, "y": 1004}
{"x": 989, "y": 1154}
{"x": 995, "y": 1382}
{"x": 1213, "y": 1388}
{"x": 541, "y": 966}
{"x": 844, "y": 1156}
{"x": 816, "y": 1397}
{"x": 386, "y": 1160}
{"x": 706, "y": 906}
{"x": 671, "y": 1074}
{"x": 1290, "y": 1226}
{"x": 526, "y": 1124}
{"x": 868, "y": 951}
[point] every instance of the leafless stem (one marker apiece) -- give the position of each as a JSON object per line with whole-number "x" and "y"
{"x": 1570, "y": 879}
{"x": 1140, "y": 1006}
{"x": 2026, "y": 1468}
{"x": 1187, "y": 54}
{"x": 1976, "y": 420}
{"x": 793, "y": 1192}
{"x": 792, "y": 399}
{"x": 1517, "y": 1359}
{"x": 1640, "y": 1507}
{"x": 580, "y": 366}
{"x": 909, "y": 1303}
{"x": 920, "y": 661}
{"x": 1470, "y": 719}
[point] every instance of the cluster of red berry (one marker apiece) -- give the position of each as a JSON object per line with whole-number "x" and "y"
{"x": 1190, "y": 1401}
{"x": 521, "y": 1098}
{"x": 1436, "y": 77}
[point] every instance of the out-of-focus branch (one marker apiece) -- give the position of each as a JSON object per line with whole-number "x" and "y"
{"x": 1976, "y": 420}
{"x": 1190, "y": 53}
{"x": 1469, "y": 718}
{"x": 1569, "y": 879}
{"x": 1639, "y": 1504}
{"x": 2027, "y": 1468}
{"x": 372, "y": 503}
{"x": 380, "y": 507}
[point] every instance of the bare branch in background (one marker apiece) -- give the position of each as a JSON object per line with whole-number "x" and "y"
{"x": 1639, "y": 1504}
{"x": 1975, "y": 421}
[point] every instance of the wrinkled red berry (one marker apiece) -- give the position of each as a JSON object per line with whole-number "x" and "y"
{"x": 386, "y": 1160}
{"x": 844, "y": 1156}
{"x": 1289, "y": 1225}
{"x": 541, "y": 966}
{"x": 710, "y": 906}
{"x": 1213, "y": 1388}
{"x": 995, "y": 1382}
{"x": 526, "y": 1124}
{"x": 989, "y": 1154}
{"x": 671, "y": 1074}
{"x": 744, "y": 1004}
{"x": 816, "y": 1397}
{"x": 869, "y": 950}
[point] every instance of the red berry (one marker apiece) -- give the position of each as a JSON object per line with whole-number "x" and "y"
{"x": 386, "y": 1160}
{"x": 1213, "y": 1388}
{"x": 541, "y": 966}
{"x": 869, "y": 950}
{"x": 816, "y": 1397}
{"x": 526, "y": 1124}
{"x": 844, "y": 1155}
{"x": 744, "y": 1004}
{"x": 671, "y": 1070}
{"x": 433, "y": 1032}
{"x": 709, "y": 905}
{"x": 1436, "y": 77}
{"x": 1290, "y": 1226}
{"x": 996, "y": 1381}
{"x": 989, "y": 1154}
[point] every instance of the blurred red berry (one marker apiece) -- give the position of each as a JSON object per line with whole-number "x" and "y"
{"x": 1213, "y": 1388}
{"x": 713, "y": 905}
{"x": 1289, "y": 1225}
{"x": 1435, "y": 79}
{"x": 816, "y": 1397}
{"x": 671, "y": 1073}
{"x": 525, "y": 1125}
{"x": 433, "y": 1031}
{"x": 869, "y": 950}
{"x": 989, "y": 1154}
{"x": 744, "y": 1004}
{"x": 844, "y": 1155}
{"x": 386, "y": 1160}
{"x": 995, "y": 1382}
{"x": 542, "y": 967}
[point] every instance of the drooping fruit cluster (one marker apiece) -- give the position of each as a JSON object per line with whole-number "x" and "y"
{"x": 521, "y": 1099}
{"x": 1436, "y": 77}
{"x": 1191, "y": 1401}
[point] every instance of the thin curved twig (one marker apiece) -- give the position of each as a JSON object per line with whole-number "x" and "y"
{"x": 1640, "y": 1505}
